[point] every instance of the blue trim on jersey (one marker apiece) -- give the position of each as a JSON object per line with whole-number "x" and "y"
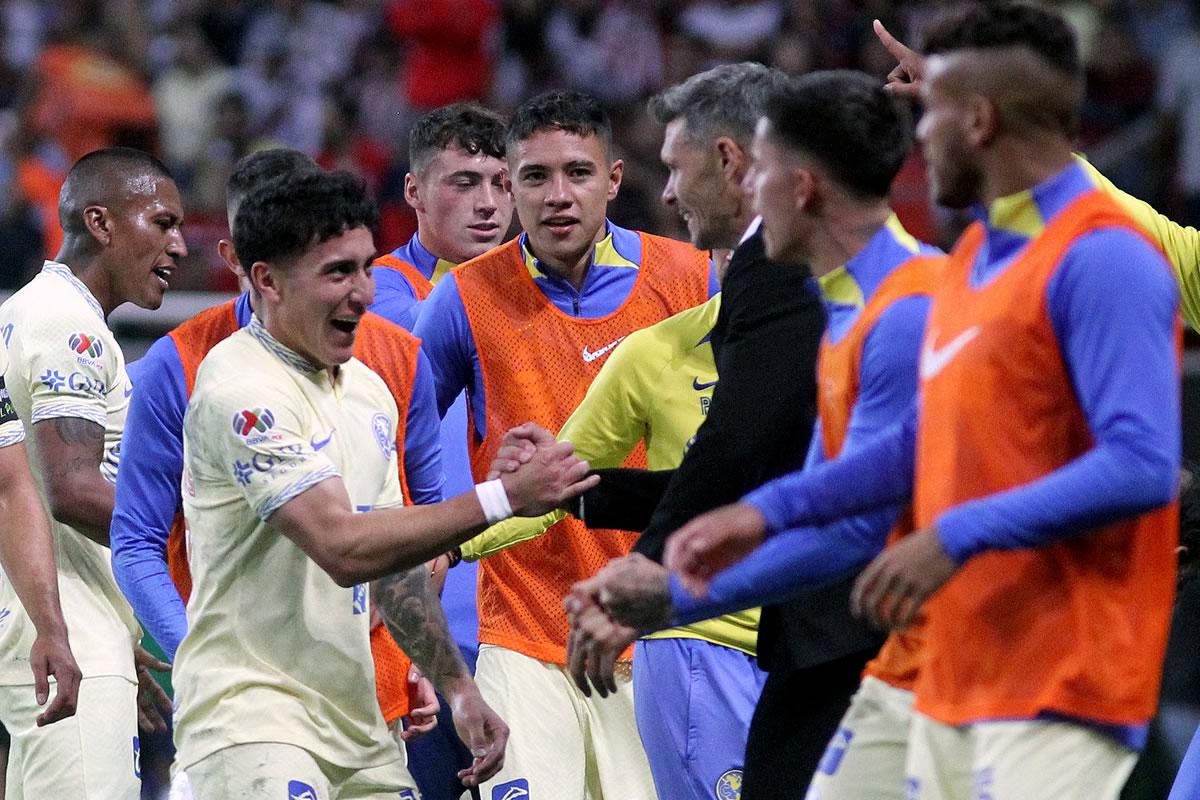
{"x": 148, "y": 494}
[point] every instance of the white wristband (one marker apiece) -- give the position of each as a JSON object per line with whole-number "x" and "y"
{"x": 494, "y": 501}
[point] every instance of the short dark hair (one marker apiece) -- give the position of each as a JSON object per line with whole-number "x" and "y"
{"x": 848, "y": 123}
{"x": 101, "y": 178}
{"x": 725, "y": 100}
{"x": 256, "y": 169}
{"x": 996, "y": 24}
{"x": 467, "y": 125}
{"x": 570, "y": 111}
{"x": 281, "y": 219}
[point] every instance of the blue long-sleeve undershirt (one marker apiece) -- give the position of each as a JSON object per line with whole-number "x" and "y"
{"x": 1120, "y": 352}
{"x": 802, "y": 558}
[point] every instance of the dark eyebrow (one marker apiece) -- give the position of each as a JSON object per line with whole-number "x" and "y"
{"x": 342, "y": 263}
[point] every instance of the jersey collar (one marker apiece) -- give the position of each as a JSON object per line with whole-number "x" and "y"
{"x": 280, "y": 350}
{"x": 64, "y": 272}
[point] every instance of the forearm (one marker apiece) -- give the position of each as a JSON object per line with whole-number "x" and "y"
{"x": 876, "y": 477}
{"x": 1114, "y": 480}
{"x": 27, "y": 554}
{"x": 786, "y": 565}
{"x": 386, "y": 541}
{"x": 413, "y": 614}
{"x": 140, "y": 567}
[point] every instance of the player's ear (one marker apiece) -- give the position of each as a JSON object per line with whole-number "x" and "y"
{"x": 265, "y": 281}
{"x": 229, "y": 255}
{"x": 412, "y": 192}
{"x": 615, "y": 172}
{"x": 804, "y": 188}
{"x": 98, "y": 223}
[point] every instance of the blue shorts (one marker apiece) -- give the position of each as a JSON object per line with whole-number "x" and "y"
{"x": 694, "y": 701}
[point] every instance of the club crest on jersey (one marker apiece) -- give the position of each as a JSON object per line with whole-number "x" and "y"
{"x": 360, "y": 599}
{"x": 729, "y": 785}
{"x": 513, "y": 790}
{"x": 252, "y": 424}
{"x": 408, "y": 794}
{"x": 299, "y": 790}
{"x": 87, "y": 348}
{"x": 381, "y": 426}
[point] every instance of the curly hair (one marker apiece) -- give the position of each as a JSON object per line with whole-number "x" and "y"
{"x": 282, "y": 218}
{"x": 468, "y": 125}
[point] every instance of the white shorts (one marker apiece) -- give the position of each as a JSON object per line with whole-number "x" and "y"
{"x": 271, "y": 771}
{"x": 90, "y": 756}
{"x": 1014, "y": 760}
{"x": 866, "y": 757}
{"x": 561, "y": 744}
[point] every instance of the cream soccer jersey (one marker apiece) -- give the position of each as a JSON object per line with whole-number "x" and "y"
{"x": 65, "y": 362}
{"x": 275, "y": 650}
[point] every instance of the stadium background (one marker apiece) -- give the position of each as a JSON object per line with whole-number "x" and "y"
{"x": 203, "y": 83}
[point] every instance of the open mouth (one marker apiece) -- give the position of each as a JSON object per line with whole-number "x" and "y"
{"x": 345, "y": 325}
{"x": 164, "y": 276}
{"x": 560, "y": 224}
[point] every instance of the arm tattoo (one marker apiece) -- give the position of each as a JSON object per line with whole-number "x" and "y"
{"x": 76, "y": 431}
{"x": 413, "y": 614}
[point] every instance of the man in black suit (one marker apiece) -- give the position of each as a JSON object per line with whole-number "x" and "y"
{"x": 759, "y": 423}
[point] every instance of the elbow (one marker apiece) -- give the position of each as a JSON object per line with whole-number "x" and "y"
{"x": 63, "y": 503}
{"x": 1154, "y": 479}
{"x": 343, "y": 568}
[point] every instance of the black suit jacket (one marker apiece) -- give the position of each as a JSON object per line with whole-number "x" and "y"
{"x": 765, "y": 341}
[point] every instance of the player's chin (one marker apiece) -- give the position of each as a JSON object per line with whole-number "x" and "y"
{"x": 152, "y": 296}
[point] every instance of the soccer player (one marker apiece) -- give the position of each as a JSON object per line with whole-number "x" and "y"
{"x": 291, "y": 491}
{"x": 1040, "y": 459}
{"x": 524, "y": 329}
{"x": 658, "y": 386}
{"x": 825, "y": 154}
{"x": 121, "y": 217}
{"x": 148, "y": 534}
{"x": 455, "y": 185}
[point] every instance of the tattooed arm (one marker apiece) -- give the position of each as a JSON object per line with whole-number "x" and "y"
{"x": 413, "y": 614}
{"x": 70, "y": 450}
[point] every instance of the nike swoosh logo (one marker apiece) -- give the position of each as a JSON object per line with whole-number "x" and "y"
{"x": 700, "y": 387}
{"x": 317, "y": 445}
{"x": 934, "y": 360}
{"x": 591, "y": 355}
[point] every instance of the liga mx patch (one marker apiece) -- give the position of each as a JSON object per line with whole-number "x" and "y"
{"x": 85, "y": 345}
{"x": 299, "y": 790}
{"x": 513, "y": 790}
{"x": 251, "y": 421}
{"x": 729, "y": 785}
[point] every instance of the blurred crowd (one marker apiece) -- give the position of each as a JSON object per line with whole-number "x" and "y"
{"x": 203, "y": 83}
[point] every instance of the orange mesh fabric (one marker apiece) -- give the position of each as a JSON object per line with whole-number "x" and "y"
{"x": 839, "y": 370}
{"x": 537, "y": 362}
{"x": 419, "y": 282}
{"x": 391, "y": 675}
{"x": 1078, "y": 627}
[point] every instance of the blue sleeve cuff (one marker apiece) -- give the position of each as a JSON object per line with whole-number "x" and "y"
{"x": 959, "y": 534}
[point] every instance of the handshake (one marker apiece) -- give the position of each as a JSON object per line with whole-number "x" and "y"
{"x": 539, "y": 474}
